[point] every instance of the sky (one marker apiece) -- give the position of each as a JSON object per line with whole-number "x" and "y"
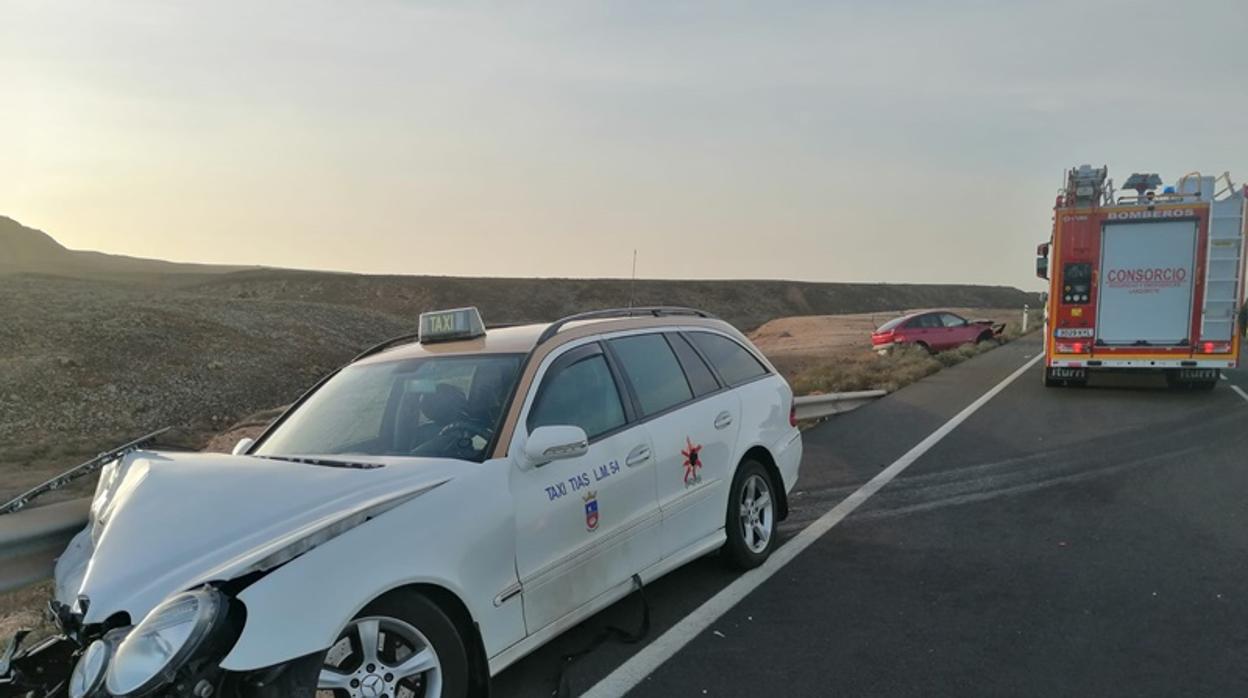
{"x": 876, "y": 140}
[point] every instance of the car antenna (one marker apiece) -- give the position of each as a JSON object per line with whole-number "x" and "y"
{"x": 632, "y": 284}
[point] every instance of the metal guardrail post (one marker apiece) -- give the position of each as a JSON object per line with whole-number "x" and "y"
{"x": 816, "y": 406}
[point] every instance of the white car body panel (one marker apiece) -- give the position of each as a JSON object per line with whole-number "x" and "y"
{"x": 694, "y": 499}
{"x": 562, "y": 562}
{"x": 461, "y": 540}
{"x": 172, "y": 521}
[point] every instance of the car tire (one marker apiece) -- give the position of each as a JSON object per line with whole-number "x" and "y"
{"x": 751, "y": 518}
{"x": 924, "y": 347}
{"x": 984, "y": 337}
{"x": 404, "y": 624}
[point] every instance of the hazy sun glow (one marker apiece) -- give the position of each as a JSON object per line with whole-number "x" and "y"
{"x": 842, "y": 141}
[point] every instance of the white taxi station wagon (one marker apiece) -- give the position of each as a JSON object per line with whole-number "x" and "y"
{"x": 432, "y": 512}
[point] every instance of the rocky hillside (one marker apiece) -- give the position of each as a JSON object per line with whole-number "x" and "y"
{"x": 25, "y": 249}
{"x": 94, "y": 352}
{"x": 87, "y": 364}
{"x": 746, "y": 303}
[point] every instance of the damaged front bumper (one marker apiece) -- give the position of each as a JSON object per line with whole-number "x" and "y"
{"x": 74, "y": 663}
{"x": 37, "y": 670}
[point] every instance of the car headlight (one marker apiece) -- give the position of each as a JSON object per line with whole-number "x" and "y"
{"x": 153, "y": 652}
{"x": 88, "y": 674}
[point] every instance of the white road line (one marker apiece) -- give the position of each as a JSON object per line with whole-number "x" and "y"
{"x": 1224, "y": 377}
{"x": 1240, "y": 390}
{"x": 645, "y": 662}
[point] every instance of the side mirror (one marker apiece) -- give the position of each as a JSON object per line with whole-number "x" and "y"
{"x": 555, "y": 443}
{"x": 243, "y": 445}
{"x": 1042, "y": 261}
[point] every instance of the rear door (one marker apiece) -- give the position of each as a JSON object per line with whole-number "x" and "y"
{"x": 927, "y": 329}
{"x": 1146, "y": 283}
{"x": 693, "y": 423}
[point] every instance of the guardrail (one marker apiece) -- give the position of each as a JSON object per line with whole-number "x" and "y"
{"x": 32, "y": 539}
{"x": 816, "y": 406}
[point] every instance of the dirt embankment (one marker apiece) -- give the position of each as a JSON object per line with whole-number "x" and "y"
{"x": 796, "y": 343}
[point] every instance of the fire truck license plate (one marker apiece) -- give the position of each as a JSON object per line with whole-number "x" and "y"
{"x": 1198, "y": 374}
{"x": 1073, "y": 332}
{"x": 1066, "y": 373}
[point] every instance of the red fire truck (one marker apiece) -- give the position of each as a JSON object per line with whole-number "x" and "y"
{"x": 1147, "y": 279}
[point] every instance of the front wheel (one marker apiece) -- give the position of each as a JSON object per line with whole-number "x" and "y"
{"x": 751, "y": 520}
{"x": 400, "y": 645}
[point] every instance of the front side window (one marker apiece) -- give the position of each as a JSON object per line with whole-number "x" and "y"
{"x": 581, "y": 393}
{"x": 951, "y": 320}
{"x": 734, "y": 363}
{"x": 653, "y": 371}
{"x": 447, "y": 407}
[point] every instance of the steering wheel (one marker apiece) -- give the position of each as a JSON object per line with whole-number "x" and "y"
{"x": 468, "y": 427}
{"x": 455, "y": 438}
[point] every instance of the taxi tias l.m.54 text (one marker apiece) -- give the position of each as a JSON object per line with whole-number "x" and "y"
{"x": 426, "y": 515}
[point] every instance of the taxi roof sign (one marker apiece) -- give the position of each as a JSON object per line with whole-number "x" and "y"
{"x": 450, "y": 325}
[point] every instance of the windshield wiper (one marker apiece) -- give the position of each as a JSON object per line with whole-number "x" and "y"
{"x": 352, "y": 465}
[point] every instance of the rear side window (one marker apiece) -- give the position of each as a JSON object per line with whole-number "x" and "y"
{"x": 891, "y": 324}
{"x": 653, "y": 371}
{"x": 926, "y": 322}
{"x": 734, "y": 364}
{"x": 581, "y": 394}
{"x": 700, "y": 377}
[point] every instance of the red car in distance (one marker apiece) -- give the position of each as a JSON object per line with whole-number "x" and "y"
{"x": 933, "y": 330}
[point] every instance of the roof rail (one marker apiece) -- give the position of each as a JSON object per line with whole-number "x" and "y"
{"x": 393, "y": 341}
{"x": 652, "y": 311}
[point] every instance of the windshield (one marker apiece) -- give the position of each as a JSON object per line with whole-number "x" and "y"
{"x": 446, "y": 407}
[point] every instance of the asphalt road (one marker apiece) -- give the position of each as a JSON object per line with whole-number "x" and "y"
{"x": 1058, "y": 542}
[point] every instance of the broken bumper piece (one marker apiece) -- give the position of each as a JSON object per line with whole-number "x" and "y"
{"x": 41, "y": 670}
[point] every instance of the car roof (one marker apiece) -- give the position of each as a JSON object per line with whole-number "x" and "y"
{"x": 931, "y": 311}
{"x": 523, "y": 339}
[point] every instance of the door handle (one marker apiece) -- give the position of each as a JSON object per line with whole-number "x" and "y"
{"x": 637, "y": 456}
{"x": 724, "y": 420}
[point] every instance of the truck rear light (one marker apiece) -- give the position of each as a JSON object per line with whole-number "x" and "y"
{"x": 1070, "y": 347}
{"x": 1215, "y": 347}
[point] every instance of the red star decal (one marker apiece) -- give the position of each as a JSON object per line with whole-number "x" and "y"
{"x": 693, "y": 461}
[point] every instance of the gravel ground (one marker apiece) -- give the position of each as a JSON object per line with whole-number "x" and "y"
{"x": 87, "y": 364}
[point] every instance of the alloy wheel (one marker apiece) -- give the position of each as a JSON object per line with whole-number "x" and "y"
{"x": 756, "y": 513}
{"x": 381, "y": 657}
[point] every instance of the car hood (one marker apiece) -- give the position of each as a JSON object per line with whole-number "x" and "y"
{"x": 162, "y": 523}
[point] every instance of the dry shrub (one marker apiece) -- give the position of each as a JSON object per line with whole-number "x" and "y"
{"x": 23, "y": 609}
{"x": 865, "y": 371}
